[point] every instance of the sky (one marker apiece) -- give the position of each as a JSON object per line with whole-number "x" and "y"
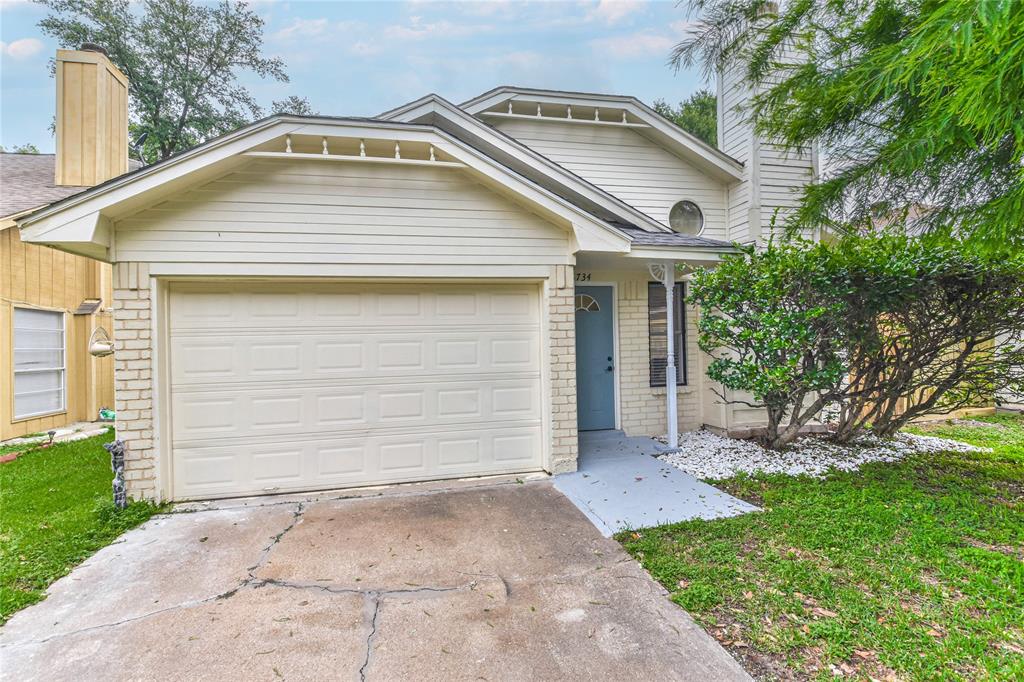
{"x": 363, "y": 58}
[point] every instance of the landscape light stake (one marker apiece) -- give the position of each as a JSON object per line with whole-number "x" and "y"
{"x": 116, "y": 450}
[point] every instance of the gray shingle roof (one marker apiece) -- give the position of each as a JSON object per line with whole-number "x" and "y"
{"x": 26, "y": 181}
{"x": 644, "y": 238}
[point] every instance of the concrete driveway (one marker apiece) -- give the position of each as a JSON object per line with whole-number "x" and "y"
{"x": 499, "y": 582}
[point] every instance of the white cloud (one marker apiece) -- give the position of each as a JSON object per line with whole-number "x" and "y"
{"x": 612, "y": 11}
{"x": 23, "y": 48}
{"x": 416, "y": 29}
{"x": 634, "y": 45}
{"x": 302, "y": 29}
{"x": 317, "y": 30}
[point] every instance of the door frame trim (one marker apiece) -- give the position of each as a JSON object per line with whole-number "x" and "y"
{"x": 614, "y": 286}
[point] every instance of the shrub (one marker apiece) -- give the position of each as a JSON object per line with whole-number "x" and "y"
{"x": 881, "y": 328}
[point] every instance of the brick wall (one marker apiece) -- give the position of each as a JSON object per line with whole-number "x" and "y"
{"x": 133, "y": 376}
{"x": 643, "y": 407}
{"x": 562, "y": 321}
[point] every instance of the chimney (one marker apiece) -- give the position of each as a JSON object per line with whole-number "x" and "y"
{"x": 92, "y": 118}
{"x": 773, "y": 176}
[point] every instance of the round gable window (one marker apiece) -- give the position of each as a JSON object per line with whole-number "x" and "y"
{"x": 686, "y": 218}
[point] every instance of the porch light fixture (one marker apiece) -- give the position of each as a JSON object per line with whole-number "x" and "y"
{"x": 100, "y": 344}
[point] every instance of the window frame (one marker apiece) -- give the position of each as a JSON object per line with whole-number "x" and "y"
{"x": 63, "y": 369}
{"x": 679, "y": 318}
{"x": 700, "y": 212}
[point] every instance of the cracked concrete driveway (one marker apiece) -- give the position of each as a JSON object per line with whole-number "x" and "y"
{"x": 502, "y": 582}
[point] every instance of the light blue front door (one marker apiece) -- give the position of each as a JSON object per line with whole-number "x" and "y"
{"x": 595, "y": 359}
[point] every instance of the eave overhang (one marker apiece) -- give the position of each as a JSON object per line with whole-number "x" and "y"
{"x": 81, "y": 224}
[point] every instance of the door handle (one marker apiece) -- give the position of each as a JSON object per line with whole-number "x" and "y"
{"x": 611, "y": 368}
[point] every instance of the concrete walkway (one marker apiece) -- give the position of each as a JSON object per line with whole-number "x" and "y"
{"x": 620, "y": 485}
{"x": 498, "y": 582}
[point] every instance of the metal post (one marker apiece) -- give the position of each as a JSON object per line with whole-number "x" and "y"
{"x": 666, "y": 273}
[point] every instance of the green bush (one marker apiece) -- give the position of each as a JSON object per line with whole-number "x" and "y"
{"x": 879, "y": 328}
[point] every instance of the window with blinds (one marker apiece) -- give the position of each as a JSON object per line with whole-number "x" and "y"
{"x": 657, "y": 323}
{"x": 39, "y": 362}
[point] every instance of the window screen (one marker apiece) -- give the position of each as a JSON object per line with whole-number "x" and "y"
{"x": 657, "y": 319}
{"x": 39, "y": 362}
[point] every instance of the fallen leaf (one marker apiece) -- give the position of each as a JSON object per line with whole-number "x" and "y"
{"x": 748, "y": 595}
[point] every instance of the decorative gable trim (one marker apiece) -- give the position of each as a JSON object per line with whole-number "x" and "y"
{"x": 623, "y": 111}
{"x": 615, "y": 208}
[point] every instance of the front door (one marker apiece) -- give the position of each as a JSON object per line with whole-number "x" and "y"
{"x": 595, "y": 359}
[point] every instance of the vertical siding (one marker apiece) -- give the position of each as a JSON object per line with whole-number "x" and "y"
{"x": 92, "y": 119}
{"x": 34, "y": 275}
{"x": 627, "y": 165}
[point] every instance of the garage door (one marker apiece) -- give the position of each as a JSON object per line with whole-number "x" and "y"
{"x": 280, "y": 387}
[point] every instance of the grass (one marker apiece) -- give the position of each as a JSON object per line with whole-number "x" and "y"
{"x": 913, "y": 570}
{"x": 56, "y": 510}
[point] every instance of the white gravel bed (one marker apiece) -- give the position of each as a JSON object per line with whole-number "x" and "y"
{"x": 706, "y": 455}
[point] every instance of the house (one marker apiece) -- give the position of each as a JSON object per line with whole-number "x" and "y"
{"x": 440, "y": 291}
{"x": 52, "y": 301}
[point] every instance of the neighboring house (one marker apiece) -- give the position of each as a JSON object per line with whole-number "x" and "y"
{"x": 51, "y": 301}
{"x": 438, "y": 292}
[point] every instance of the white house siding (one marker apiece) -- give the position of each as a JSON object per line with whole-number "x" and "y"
{"x": 306, "y": 212}
{"x": 627, "y": 165}
{"x": 773, "y": 177}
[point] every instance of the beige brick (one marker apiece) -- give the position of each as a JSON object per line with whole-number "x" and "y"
{"x": 133, "y": 375}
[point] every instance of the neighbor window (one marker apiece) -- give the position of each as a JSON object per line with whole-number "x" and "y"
{"x": 39, "y": 363}
{"x": 657, "y": 323}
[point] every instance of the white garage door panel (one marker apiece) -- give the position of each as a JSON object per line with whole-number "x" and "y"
{"x": 335, "y": 411}
{"x": 296, "y": 387}
{"x": 290, "y": 465}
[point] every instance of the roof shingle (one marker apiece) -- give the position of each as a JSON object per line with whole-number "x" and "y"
{"x": 644, "y": 238}
{"x": 26, "y": 181}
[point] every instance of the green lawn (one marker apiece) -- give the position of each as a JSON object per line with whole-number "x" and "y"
{"x": 912, "y": 570}
{"x": 56, "y": 509}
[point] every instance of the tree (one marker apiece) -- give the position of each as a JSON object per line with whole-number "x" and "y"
{"x": 293, "y": 104}
{"x": 697, "y": 115}
{"x": 913, "y": 104}
{"x": 930, "y": 326}
{"x": 770, "y": 332}
{"x": 881, "y": 328}
{"x": 182, "y": 60}
{"x": 27, "y": 148}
